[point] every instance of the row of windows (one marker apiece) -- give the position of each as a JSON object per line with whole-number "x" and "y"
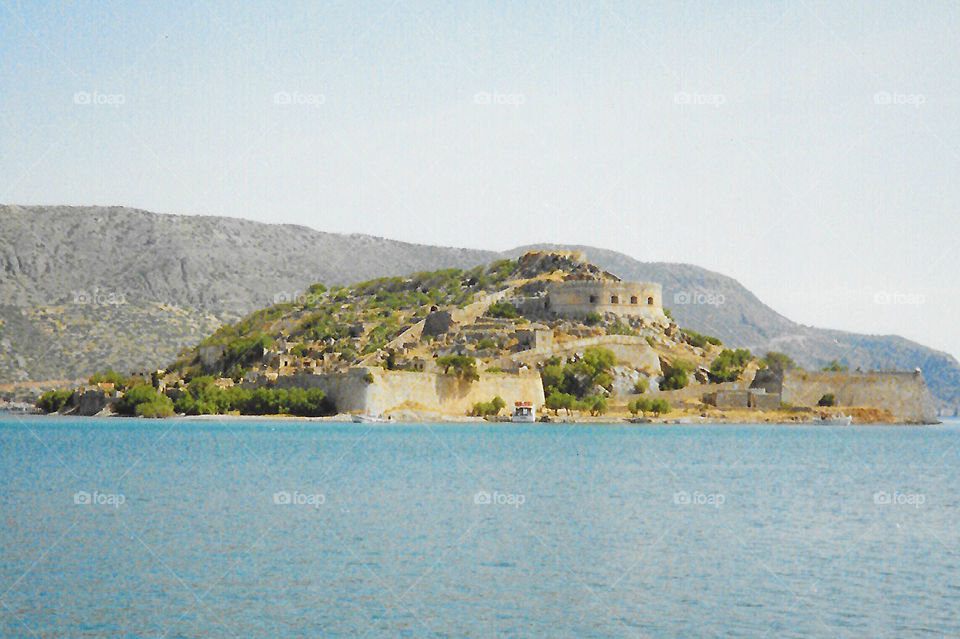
{"x": 615, "y": 299}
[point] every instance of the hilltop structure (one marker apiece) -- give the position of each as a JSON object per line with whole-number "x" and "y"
{"x": 578, "y": 299}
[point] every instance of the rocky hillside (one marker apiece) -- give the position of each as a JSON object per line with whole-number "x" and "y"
{"x": 84, "y": 287}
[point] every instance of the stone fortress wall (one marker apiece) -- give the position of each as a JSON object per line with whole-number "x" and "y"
{"x": 578, "y": 298}
{"x": 904, "y": 394}
{"x": 379, "y": 391}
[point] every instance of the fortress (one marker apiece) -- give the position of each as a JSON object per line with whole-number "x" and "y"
{"x": 579, "y": 298}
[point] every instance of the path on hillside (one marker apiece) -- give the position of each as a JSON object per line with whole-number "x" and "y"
{"x": 462, "y": 316}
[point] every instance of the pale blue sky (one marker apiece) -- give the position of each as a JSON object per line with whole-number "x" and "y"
{"x": 752, "y": 138}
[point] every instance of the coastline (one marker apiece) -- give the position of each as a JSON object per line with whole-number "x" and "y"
{"x": 736, "y": 417}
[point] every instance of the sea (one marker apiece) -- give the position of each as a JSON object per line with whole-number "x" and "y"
{"x": 291, "y": 528}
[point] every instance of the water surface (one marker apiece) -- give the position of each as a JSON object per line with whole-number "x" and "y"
{"x": 173, "y": 528}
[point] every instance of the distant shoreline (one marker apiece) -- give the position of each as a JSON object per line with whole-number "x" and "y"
{"x": 435, "y": 419}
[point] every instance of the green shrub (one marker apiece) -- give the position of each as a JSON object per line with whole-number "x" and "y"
{"x": 503, "y": 309}
{"x": 700, "y": 341}
{"x": 53, "y": 400}
{"x": 486, "y": 343}
{"x": 641, "y": 385}
{"x": 729, "y": 365}
{"x": 159, "y": 407}
{"x": 592, "y": 319}
{"x": 619, "y": 328}
{"x": 827, "y": 400}
{"x": 675, "y": 375}
{"x": 836, "y": 367}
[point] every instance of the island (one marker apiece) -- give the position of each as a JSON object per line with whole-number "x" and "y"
{"x": 548, "y": 336}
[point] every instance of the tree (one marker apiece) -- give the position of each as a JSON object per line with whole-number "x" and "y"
{"x": 836, "y": 367}
{"x": 827, "y": 400}
{"x": 641, "y": 385}
{"x": 464, "y": 366}
{"x": 498, "y": 404}
{"x": 596, "y": 404}
{"x": 778, "y": 362}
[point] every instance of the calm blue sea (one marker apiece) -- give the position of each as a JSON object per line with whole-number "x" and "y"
{"x": 136, "y": 528}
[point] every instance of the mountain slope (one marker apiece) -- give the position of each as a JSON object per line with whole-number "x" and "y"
{"x": 86, "y": 287}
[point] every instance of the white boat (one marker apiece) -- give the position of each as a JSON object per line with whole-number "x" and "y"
{"x": 835, "y": 420}
{"x": 370, "y": 418}
{"x": 523, "y": 412}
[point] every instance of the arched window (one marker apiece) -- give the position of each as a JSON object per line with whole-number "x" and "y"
{"x": 633, "y": 299}
{"x": 593, "y": 299}
{"x": 649, "y": 301}
{"x": 614, "y": 299}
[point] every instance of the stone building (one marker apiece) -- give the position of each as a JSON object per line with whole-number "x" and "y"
{"x": 578, "y": 298}
{"x": 743, "y": 398}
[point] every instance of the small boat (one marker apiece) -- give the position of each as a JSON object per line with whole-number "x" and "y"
{"x": 370, "y": 418}
{"x": 836, "y": 420}
{"x": 523, "y": 412}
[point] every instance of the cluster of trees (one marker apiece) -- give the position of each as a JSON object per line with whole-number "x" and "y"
{"x": 594, "y": 404}
{"x": 493, "y": 407}
{"x": 201, "y": 397}
{"x": 648, "y": 405}
{"x": 144, "y": 400}
{"x": 110, "y": 376}
{"x": 53, "y": 400}
{"x": 573, "y": 386}
{"x": 463, "y": 366}
{"x": 729, "y": 365}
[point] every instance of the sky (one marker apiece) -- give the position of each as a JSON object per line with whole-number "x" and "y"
{"x": 809, "y": 149}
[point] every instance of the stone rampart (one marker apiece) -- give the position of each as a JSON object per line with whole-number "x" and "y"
{"x": 353, "y": 391}
{"x": 903, "y": 394}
